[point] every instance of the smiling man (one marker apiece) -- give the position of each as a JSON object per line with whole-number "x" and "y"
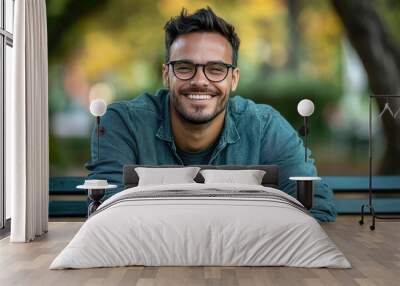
{"x": 199, "y": 75}
{"x": 194, "y": 120}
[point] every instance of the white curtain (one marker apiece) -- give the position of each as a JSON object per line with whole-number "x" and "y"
{"x": 27, "y": 167}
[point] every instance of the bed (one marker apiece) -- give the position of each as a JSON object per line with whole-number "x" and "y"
{"x": 201, "y": 224}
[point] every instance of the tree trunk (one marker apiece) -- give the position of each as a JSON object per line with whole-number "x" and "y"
{"x": 294, "y": 40}
{"x": 381, "y": 59}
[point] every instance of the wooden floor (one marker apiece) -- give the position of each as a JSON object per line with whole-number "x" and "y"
{"x": 374, "y": 255}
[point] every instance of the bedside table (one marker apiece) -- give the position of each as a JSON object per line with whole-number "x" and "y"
{"x": 305, "y": 190}
{"x": 96, "y": 192}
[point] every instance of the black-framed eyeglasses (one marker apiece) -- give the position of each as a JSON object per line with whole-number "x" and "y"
{"x": 214, "y": 71}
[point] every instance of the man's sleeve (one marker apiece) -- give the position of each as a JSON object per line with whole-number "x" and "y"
{"x": 282, "y": 146}
{"x": 117, "y": 148}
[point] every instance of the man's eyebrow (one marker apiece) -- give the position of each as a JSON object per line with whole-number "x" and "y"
{"x": 217, "y": 62}
{"x": 183, "y": 60}
{"x": 191, "y": 61}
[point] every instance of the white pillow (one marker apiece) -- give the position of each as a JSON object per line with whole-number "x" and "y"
{"x": 248, "y": 177}
{"x": 164, "y": 176}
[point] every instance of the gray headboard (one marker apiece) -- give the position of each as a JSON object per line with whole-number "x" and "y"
{"x": 270, "y": 179}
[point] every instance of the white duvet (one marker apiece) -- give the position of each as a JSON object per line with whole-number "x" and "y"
{"x": 201, "y": 224}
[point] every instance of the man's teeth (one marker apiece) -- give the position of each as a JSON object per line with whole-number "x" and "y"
{"x": 199, "y": 96}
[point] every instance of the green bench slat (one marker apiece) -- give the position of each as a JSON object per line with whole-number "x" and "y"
{"x": 344, "y": 206}
{"x": 66, "y": 185}
{"x": 361, "y": 183}
{"x": 339, "y": 184}
{"x": 67, "y": 208}
{"x": 353, "y": 206}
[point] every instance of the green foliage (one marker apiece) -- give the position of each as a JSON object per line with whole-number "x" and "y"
{"x": 121, "y": 43}
{"x": 283, "y": 92}
{"x": 65, "y": 154}
{"x": 389, "y": 10}
{"x": 63, "y": 16}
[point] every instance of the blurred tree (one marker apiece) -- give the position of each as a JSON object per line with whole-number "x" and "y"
{"x": 381, "y": 58}
{"x": 293, "y": 62}
{"x": 290, "y": 49}
{"x": 64, "y": 15}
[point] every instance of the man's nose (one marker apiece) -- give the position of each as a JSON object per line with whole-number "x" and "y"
{"x": 200, "y": 78}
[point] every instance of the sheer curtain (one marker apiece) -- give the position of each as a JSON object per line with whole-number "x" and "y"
{"x": 27, "y": 167}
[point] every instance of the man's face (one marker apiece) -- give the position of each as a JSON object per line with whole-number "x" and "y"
{"x": 200, "y": 48}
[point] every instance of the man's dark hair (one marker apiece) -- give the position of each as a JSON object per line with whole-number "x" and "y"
{"x": 203, "y": 20}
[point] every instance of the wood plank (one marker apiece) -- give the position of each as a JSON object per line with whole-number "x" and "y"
{"x": 375, "y": 257}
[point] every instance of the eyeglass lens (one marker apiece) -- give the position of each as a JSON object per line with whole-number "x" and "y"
{"x": 213, "y": 71}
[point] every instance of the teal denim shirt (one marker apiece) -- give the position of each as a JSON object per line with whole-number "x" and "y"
{"x": 138, "y": 131}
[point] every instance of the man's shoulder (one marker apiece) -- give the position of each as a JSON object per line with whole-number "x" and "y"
{"x": 241, "y": 106}
{"x": 144, "y": 103}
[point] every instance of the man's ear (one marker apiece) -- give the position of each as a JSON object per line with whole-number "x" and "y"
{"x": 165, "y": 75}
{"x": 235, "y": 79}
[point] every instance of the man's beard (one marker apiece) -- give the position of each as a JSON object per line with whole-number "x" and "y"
{"x": 197, "y": 117}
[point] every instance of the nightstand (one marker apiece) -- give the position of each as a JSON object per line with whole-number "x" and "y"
{"x": 305, "y": 190}
{"x": 96, "y": 192}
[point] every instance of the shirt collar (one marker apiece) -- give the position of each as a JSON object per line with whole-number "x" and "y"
{"x": 229, "y": 133}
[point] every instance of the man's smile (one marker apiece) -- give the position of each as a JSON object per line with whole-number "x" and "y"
{"x": 199, "y": 97}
